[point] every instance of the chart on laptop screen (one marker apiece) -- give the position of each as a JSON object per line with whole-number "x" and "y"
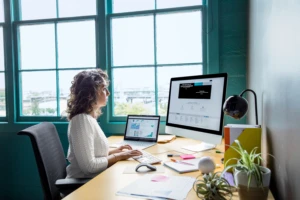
{"x": 141, "y": 128}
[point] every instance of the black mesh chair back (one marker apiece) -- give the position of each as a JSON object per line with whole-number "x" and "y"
{"x": 49, "y": 155}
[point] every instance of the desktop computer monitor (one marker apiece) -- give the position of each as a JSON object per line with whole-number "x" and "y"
{"x": 195, "y": 109}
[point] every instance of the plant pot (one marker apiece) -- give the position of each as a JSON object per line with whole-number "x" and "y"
{"x": 253, "y": 191}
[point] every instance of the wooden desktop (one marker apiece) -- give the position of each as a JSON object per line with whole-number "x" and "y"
{"x": 106, "y": 184}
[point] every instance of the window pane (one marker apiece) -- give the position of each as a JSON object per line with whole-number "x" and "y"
{"x": 133, "y": 91}
{"x": 76, "y": 44}
{"x": 65, "y": 79}
{"x": 37, "y": 45}
{"x": 179, "y": 38}
{"x": 71, "y": 8}
{"x": 39, "y": 93}
{"x": 177, "y": 3}
{"x": 37, "y": 9}
{"x": 1, "y": 11}
{"x": 164, "y": 75}
{"x": 1, "y": 50}
{"x": 2, "y": 95}
{"x": 133, "y": 41}
{"x": 132, "y": 5}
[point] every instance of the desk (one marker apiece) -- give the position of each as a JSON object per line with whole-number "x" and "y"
{"x": 106, "y": 184}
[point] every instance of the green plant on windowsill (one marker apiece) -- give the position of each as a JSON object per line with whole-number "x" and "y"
{"x": 251, "y": 178}
{"x": 212, "y": 187}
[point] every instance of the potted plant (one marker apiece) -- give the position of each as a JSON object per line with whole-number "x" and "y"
{"x": 250, "y": 177}
{"x": 212, "y": 187}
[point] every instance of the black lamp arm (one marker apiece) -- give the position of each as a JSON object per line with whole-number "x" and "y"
{"x": 249, "y": 90}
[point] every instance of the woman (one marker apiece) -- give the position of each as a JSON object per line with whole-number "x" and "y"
{"x": 88, "y": 151}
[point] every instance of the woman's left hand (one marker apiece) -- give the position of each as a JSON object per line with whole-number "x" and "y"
{"x": 120, "y": 149}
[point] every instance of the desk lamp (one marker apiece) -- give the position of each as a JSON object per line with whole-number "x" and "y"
{"x": 237, "y": 106}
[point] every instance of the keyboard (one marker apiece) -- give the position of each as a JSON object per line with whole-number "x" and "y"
{"x": 147, "y": 158}
{"x": 135, "y": 144}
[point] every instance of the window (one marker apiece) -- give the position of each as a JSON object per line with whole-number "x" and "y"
{"x": 2, "y": 63}
{"x": 56, "y": 40}
{"x": 142, "y": 44}
{"x": 150, "y": 42}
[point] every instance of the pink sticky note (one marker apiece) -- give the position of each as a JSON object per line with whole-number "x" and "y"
{"x": 187, "y": 156}
{"x": 159, "y": 178}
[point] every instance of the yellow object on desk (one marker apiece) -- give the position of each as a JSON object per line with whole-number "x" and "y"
{"x": 249, "y": 137}
{"x": 165, "y": 138}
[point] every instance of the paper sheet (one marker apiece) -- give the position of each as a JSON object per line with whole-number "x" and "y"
{"x": 173, "y": 187}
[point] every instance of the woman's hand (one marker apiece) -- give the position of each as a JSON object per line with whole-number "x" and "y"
{"x": 128, "y": 154}
{"x": 120, "y": 149}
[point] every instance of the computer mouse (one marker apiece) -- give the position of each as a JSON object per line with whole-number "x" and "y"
{"x": 149, "y": 166}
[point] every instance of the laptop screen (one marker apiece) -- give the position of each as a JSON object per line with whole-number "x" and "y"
{"x": 142, "y": 127}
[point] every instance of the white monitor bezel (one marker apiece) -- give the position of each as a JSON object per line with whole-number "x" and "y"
{"x": 205, "y": 135}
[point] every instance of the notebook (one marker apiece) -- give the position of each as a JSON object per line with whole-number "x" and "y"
{"x": 141, "y": 131}
{"x": 182, "y": 168}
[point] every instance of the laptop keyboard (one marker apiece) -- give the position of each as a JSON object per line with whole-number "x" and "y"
{"x": 147, "y": 158}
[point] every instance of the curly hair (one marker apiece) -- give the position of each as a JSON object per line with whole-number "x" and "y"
{"x": 84, "y": 92}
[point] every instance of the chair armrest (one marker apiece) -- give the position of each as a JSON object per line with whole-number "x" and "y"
{"x": 71, "y": 182}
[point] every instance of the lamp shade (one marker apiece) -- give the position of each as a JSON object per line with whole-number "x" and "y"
{"x": 235, "y": 106}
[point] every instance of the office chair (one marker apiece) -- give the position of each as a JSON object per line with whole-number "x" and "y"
{"x": 51, "y": 161}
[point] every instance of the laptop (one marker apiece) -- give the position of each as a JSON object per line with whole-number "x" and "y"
{"x": 141, "y": 131}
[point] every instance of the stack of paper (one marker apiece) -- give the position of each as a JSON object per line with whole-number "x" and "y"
{"x": 159, "y": 186}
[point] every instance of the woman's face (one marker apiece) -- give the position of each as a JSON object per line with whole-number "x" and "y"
{"x": 103, "y": 94}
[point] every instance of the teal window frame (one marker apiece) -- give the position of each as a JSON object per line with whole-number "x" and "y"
{"x": 104, "y": 8}
{"x": 100, "y": 60}
{"x": 7, "y": 62}
{"x": 210, "y": 38}
{"x": 155, "y": 65}
{"x": 3, "y": 26}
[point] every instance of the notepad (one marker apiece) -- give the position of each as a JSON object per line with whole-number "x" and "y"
{"x": 182, "y": 168}
{"x": 187, "y": 156}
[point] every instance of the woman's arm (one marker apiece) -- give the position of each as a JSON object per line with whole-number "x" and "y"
{"x": 123, "y": 155}
{"x": 120, "y": 149}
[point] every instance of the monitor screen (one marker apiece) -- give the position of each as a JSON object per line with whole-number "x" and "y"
{"x": 195, "y": 107}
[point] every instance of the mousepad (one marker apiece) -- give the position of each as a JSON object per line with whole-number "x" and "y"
{"x": 143, "y": 170}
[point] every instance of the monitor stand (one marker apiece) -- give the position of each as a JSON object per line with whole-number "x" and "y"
{"x": 199, "y": 147}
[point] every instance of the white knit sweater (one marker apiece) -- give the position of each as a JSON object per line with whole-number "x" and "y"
{"x": 88, "y": 147}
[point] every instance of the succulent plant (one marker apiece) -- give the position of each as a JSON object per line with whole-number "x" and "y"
{"x": 212, "y": 187}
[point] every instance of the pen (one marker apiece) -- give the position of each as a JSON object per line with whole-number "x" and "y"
{"x": 173, "y": 155}
{"x": 181, "y": 162}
